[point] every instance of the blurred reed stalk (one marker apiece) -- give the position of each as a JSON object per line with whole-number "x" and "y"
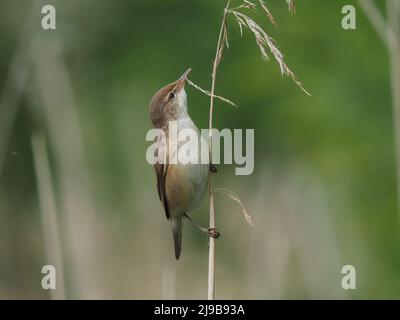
{"x": 389, "y": 32}
{"x": 83, "y": 227}
{"x": 51, "y": 235}
{"x": 168, "y": 283}
{"x": 393, "y": 13}
{"x": 16, "y": 80}
{"x": 265, "y": 43}
{"x": 291, "y": 206}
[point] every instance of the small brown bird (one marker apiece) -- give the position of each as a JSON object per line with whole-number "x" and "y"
{"x": 180, "y": 186}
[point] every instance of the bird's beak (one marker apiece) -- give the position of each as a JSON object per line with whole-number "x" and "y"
{"x": 182, "y": 80}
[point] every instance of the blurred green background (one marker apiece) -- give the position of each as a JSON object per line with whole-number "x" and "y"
{"x": 322, "y": 195}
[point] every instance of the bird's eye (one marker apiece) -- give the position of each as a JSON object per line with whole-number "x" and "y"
{"x": 171, "y": 95}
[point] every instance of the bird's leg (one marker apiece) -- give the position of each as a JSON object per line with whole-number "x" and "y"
{"x": 213, "y": 168}
{"x": 212, "y": 232}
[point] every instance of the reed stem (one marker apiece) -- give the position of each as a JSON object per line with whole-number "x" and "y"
{"x": 211, "y": 253}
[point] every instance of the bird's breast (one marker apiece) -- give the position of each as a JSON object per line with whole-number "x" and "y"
{"x": 186, "y": 183}
{"x": 185, "y": 186}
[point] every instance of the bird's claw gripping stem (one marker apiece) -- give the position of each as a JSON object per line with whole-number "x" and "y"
{"x": 213, "y": 233}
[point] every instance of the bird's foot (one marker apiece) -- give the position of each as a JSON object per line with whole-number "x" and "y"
{"x": 213, "y": 168}
{"x": 213, "y": 233}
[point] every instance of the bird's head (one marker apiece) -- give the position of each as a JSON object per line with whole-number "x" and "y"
{"x": 169, "y": 103}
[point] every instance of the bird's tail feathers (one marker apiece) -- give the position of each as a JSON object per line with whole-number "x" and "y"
{"x": 176, "y": 223}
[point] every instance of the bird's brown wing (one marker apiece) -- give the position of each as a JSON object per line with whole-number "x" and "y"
{"x": 161, "y": 173}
